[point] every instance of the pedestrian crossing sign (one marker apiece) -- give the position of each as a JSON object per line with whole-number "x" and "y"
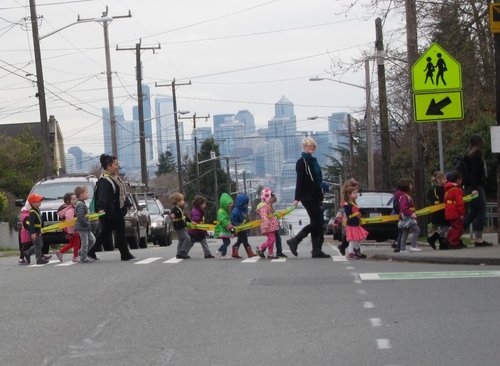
{"x": 436, "y": 71}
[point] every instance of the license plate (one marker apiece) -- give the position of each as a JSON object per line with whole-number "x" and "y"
{"x": 375, "y": 214}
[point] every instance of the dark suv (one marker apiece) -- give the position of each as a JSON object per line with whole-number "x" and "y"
{"x": 161, "y": 225}
{"x": 137, "y": 221}
{"x": 374, "y": 204}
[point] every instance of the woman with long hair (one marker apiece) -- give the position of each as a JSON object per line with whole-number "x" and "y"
{"x": 110, "y": 198}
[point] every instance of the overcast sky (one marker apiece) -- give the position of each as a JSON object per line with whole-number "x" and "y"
{"x": 239, "y": 54}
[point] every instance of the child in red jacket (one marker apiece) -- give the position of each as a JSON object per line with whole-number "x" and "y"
{"x": 454, "y": 209}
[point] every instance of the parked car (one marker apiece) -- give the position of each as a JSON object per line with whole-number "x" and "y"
{"x": 161, "y": 225}
{"x": 373, "y": 204}
{"x": 137, "y": 221}
{"x": 53, "y": 190}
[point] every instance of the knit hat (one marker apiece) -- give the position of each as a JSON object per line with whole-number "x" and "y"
{"x": 33, "y": 197}
{"x": 266, "y": 194}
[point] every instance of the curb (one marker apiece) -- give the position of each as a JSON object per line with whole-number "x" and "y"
{"x": 438, "y": 260}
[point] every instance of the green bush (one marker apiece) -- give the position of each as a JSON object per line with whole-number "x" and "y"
{"x": 4, "y": 204}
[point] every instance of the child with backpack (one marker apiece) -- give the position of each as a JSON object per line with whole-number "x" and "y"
{"x": 35, "y": 224}
{"x": 224, "y": 229}
{"x": 454, "y": 209}
{"x": 179, "y": 221}
{"x": 66, "y": 212}
{"x": 82, "y": 225}
{"x": 25, "y": 242}
{"x": 355, "y": 233}
{"x": 436, "y": 197}
{"x": 407, "y": 217}
{"x": 344, "y": 243}
{"x": 238, "y": 217}
{"x": 269, "y": 224}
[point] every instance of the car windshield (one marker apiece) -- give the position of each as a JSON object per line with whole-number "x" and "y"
{"x": 382, "y": 200}
{"x": 152, "y": 207}
{"x": 56, "y": 191}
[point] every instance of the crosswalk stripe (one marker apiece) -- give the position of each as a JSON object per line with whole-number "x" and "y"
{"x": 339, "y": 258}
{"x": 173, "y": 260}
{"x": 148, "y": 260}
{"x": 251, "y": 260}
{"x": 65, "y": 264}
{"x": 278, "y": 260}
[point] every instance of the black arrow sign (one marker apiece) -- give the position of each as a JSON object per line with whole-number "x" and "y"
{"x": 435, "y": 108}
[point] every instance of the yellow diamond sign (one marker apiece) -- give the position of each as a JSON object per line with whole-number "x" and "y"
{"x": 436, "y": 71}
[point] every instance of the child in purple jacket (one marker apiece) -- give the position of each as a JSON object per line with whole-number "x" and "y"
{"x": 407, "y": 216}
{"x": 197, "y": 217}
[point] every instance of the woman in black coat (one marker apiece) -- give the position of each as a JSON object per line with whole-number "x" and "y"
{"x": 308, "y": 191}
{"x": 110, "y": 198}
{"x": 474, "y": 181}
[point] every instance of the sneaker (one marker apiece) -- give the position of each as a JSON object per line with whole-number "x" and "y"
{"x": 86, "y": 260}
{"x": 431, "y": 242}
{"x": 42, "y": 261}
{"x": 27, "y": 257}
{"x": 272, "y": 257}
{"x": 259, "y": 252}
{"x": 396, "y": 250}
{"x": 47, "y": 257}
{"x": 182, "y": 256}
{"x": 281, "y": 255}
{"x": 76, "y": 259}
{"x": 219, "y": 254}
{"x": 484, "y": 243}
{"x": 415, "y": 249}
{"x": 59, "y": 256}
{"x": 360, "y": 255}
{"x": 320, "y": 255}
{"x": 351, "y": 257}
{"x": 93, "y": 257}
{"x": 209, "y": 256}
{"x": 22, "y": 261}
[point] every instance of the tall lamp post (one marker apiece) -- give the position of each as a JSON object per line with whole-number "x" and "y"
{"x": 368, "y": 118}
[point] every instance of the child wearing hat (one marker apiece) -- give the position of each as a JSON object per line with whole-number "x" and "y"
{"x": 269, "y": 223}
{"x": 35, "y": 230}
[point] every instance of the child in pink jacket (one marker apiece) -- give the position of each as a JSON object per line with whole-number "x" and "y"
{"x": 24, "y": 236}
{"x": 67, "y": 213}
{"x": 269, "y": 224}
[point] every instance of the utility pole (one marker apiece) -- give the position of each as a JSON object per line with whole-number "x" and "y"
{"x": 228, "y": 175}
{"x": 111, "y": 103}
{"x": 351, "y": 147}
{"x": 244, "y": 182}
{"x": 176, "y": 123}
{"x": 236, "y": 175}
{"x": 195, "y": 134}
{"x": 44, "y": 124}
{"x": 497, "y": 99}
{"x": 142, "y": 140}
{"x": 216, "y": 186}
{"x": 412, "y": 51}
{"x": 382, "y": 101}
{"x": 369, "y": 131}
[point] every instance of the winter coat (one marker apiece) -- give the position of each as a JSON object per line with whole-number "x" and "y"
{"x": 307, "y": 188}
{"x": 239, "y": 212}
{"x": 178, "y": 218}
{"x": 198, "y": 217}
{"x": 352, "y": 214}
{"x": 454, "y": 207}
{"x": 476, "y": 176}
{"x": 67, "y": 213}
{"x": 436, "y": 197}
{"x": 82, "y": 223}
{"x": 35, "y": 221}
{"x": 269, "y": 222}
{"x": 223, "y": 229}
{"x": 25, "y": 234}
{"x": 406, "y": 205}
{"x": 107, "y": 199}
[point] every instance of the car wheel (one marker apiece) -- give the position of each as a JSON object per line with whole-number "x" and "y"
{"x": 169, "y": 238}
{"x": 133, "y": 241}
{"x": 143, "y": 242}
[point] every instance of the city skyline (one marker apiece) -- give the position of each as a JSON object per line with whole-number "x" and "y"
{"x": 238, "y": 57}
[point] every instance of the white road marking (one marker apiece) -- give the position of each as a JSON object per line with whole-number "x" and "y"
{"x": 251, "y": 260}
{"x": 148, "y": 260}
{"x": 278, "y": 260}
{"x": 174, "y": 260}
{"x": 356, "y": 281}
{"x": 383, "y": 343}
{"x": 65, "y": 264}
{"x": 375, "y": 322}
{"x": 339, "y": 258}
{"x": 368, "y": 305}
{"x": 428, "y": 275}
{"x": 369, "y": 276}
{"x": 350, "y": 267}
{"x": 361, "y": 292}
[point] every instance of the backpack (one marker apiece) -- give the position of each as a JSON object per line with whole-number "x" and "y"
{"x": 461, "y": 164}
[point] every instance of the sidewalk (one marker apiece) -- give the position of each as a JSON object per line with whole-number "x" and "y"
{"x": 469, "y": 255}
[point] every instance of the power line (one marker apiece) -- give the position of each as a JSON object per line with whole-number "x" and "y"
{"x": 46, "y": 4}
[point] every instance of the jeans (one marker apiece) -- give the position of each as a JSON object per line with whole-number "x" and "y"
{"x": 223, "y": 248}
{"x": 87, "y": 241}
{"x": 184, "y": 242}
{"x": 404, "y": 235}
{"x": 476, "y": 213}
{"x": 203, "y": 241}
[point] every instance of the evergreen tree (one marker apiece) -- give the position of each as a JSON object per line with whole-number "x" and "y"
{"x": 166, "y": 164}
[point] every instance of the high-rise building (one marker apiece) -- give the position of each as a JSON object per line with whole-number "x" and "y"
{"x": 269, "y": 158}
{"x": 148, "y": 130}
{"x": 78, "y": 156}
{"x": 70, "y": 163}
{"x": 248, "y": 121}
{"x": 128, "y": 145}
{"x": 228, "y": 136}
{"x": 165, "y": 127}
{"x": 108, "y": 149}
{"x": 283, "y": 126}
{"x": 220, "y": 119}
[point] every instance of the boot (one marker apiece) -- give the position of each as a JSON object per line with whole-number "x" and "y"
{"x": 292, "y": 243}
{"x": 317, "y": 243}
{"x": 432, "y": 240}
{"x": 250, "y": 254}
{"x": 235, "y": 254}
{"x": 443, "y": 244}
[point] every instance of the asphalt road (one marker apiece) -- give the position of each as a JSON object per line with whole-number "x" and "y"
{"x": 301, "y": 311}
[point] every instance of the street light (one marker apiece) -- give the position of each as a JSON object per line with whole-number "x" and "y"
{"x": 368, "y": 118}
